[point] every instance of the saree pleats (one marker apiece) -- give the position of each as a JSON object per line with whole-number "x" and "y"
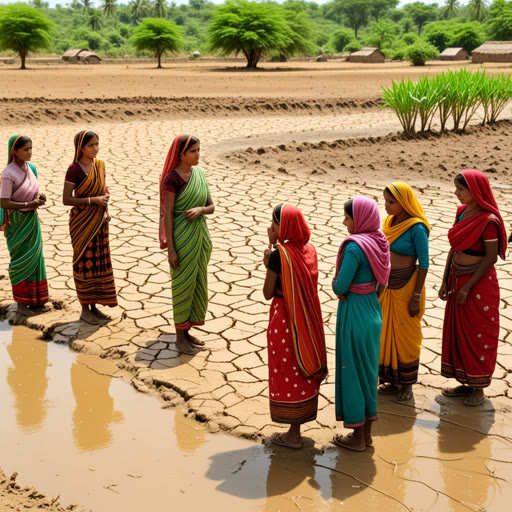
{"x": 471, "y": 330}
{"x": 193, "y": 247}
{"x": 358, "y": 329}
{"x": 92, "y": 266}
{"x": 401, "y": 335}
{"x": 293, "y": 397}
{"x": 26, "y": 269}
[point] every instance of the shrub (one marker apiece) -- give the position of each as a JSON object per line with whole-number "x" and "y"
{"x": 354, "y": 46}
{"x": 398, "y": 53}
{"x": 409, "y": 38}
{"x": 420, "y": 52}
{"x": 340, "y": 39}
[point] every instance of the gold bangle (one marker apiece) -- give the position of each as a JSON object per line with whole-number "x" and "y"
{"x": 89, "y": 201}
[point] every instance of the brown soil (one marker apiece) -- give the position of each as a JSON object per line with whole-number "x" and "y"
{"x": 17, "y": 498}
{"x": 425, "y": 158}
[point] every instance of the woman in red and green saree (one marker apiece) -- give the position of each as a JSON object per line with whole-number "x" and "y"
{"x": 297, "y": 357}
{"x": 184, "y": 201}
{"x": 20, "y": 199}
{"x": 85, "y": 190}
{"x": 470, "y": 287}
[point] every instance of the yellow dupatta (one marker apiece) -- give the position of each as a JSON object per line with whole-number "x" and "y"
{"x": 405, "y": 197}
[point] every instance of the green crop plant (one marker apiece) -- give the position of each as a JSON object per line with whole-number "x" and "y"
{"x": 427, "y": 95}
{"x": 399, "y": 97}
{"x": 495, "y": 95}
{"x": 445, "y": 104}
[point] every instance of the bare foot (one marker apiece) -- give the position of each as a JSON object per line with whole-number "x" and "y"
{"x": 387, "y": 388}
{"x": 350, "y": 442}
{"x": 281, "y": 440}
{"x": 193, "y": 340}
{"x": 184, "y": 346}
{"x": 23, "y": 310}
{"x": 368, "y": 439}
{"x": 96, "y": 312}
{"x": 404, "y": 394}
{"x": 457, "y": 391}
{"x": 476, "y": 397}
{"x": 89, "y": 317}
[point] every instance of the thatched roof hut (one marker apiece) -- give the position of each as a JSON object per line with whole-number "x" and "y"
{"x": 367, "y": 54}
{"x": 81, "y": 55}
{"x": 454, "y": 54}
{"x": 493, "y": 51}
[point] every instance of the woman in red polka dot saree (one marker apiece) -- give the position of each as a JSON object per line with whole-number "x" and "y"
{"x": 297, "y": 356}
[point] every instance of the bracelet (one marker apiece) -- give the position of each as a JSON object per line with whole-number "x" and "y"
{"x": 89, "y": 199}
{"x": 25, "y": 205}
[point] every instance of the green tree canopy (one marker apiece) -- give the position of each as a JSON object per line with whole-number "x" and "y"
{"x": 356, "y": 12}
{"x": 340, "y": 38}
{"x": 379, "y": 7}
{"x": 383, "y": 32}
{"x": 421, "y": 13}
{"x": 24, "y": 29}
{"x": 251, "y": 28}
{"x": 499, "y": 23}
{"x": 478, "y": 8}
{"x": 158, "y": 36}
{"x": 468, "y": 36}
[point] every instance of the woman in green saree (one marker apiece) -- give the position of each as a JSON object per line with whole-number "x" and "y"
{"x": 19, "y": 200}
{"x": 184, "y": 201}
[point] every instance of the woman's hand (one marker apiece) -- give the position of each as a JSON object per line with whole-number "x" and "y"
{"x": 173, "y": 259}
{"x": 35, "y": 204}
{"x": 193, "y": 213}
{"x": 42, "y": 198}
{"x": 272, "y": 235}
{"x": 342, "y": 298}
{"x": 443, "y": 291}
{"x": 100, "y": 200}
{"x": 266, "y": 255}
{"x": 414, "y": 307}
{"x": 462, "y": 295}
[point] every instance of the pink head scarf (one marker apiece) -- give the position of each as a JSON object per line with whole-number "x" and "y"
{"x": 368, "y": 235}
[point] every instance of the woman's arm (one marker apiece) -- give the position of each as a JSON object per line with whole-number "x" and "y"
{"x": 170, "y": 200}
{"x": 443, "y": 291}
{"x": 195, "y": 213}
{"x": 9, "y": 204}
{"x": 490, "y": 258}
{"x": 420, "y": 240}
{"x": 270, "y": 285}
{"x": 69, "y": 199}
{"x": 349, "y": 266}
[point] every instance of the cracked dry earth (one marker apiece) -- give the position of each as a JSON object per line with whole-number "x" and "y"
{"x": 226, "y": 384}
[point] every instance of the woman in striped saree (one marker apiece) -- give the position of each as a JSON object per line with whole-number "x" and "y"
{"x": 184, "y": 201}
{"x": 20, "y": 199}
{"x": 85, "y": 190}
{"x": 403, "y": 300}
{"x": 297, "y": 358}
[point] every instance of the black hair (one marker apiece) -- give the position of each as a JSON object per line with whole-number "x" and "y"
{"x": 387, "y": 190}
{"x": 276, "y": 214}
{"x": 21, "y": 142}
{"x": 461, "y": 180}
{"x": 184, "y": 147}
{"x": 81, "y": 139}
{"x": 349, "y": 208}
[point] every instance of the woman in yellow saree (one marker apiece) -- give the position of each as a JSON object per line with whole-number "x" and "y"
{"x": 403, "y": 300}
{"x": 86, "y": 192}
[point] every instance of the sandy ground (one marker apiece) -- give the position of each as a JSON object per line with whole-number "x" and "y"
{"x": 305, "y": 155}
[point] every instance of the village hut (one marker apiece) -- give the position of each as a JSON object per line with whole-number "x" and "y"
{"x": 80, "y": 55}
{"x": 367, "y": 54}
{"x": 493, "y": 51}
{"x": 454, "y": 54}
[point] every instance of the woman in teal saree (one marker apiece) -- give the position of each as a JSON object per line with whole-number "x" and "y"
{"x": 184, "y": 201}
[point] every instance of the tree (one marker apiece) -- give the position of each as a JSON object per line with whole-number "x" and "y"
{"x": 500, "y": 21}
{"x": 24, "y": 29}
{"x": 469, "y": 36}
{"x": 477, "y": 8}
{"x": 383, "y": 32}
{"x": 86, "y": 5}
{"x": 356, "y": 11}
{"x": 379, "y": 7}
{"x": 109, "y": 7}
{"x": 439, "y": 34}
{"x": 137, "y": 10}
{"x": 39, "y": 4}
{"x": 160, "y": 9}
{"x": 95, "y": 19}
{"x": 301, "y": 34}
{"x": 158, "y": 36}
{"x": 251, "y": 28}
{"x": 421, "y": 14}
{"x": 451, "y": 8}
{"x": 340, "y": 39}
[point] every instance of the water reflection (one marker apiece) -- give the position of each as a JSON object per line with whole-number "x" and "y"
{"x": 27, "y": 379}
{"x": 182, "y": 428}
{"x": 94, "y": 407}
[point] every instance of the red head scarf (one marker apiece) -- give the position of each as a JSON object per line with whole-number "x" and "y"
{"x": 466, "y": 232}
{"x": 171, "y": 162}
{"x": 299, "y": 275}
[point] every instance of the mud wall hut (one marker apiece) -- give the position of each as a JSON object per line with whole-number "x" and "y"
{"x": 367, "y": 54}
{"x": 493, "y": 51}
{"x": 80, "y": 55}
{"x": 454, "y": 54}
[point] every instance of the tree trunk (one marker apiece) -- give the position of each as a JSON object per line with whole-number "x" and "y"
{"x": 159, "y": 55}
{"x": 252, "y": 59}
{"x": 23, "y": 56}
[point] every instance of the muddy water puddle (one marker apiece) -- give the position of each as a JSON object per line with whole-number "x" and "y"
{"x": 71, "y": 427}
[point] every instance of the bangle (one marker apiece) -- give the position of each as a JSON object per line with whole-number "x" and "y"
{"x": 416, "y": 296}
{"x": 89, "y": 199}
{"x": 25, "y": 205}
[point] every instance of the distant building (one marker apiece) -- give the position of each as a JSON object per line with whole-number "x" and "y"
{"x": 493, "y": 51}
{"x": 81, "y": 56}
{"x": 454, "y": 54}
{"x": 367, "y": 54}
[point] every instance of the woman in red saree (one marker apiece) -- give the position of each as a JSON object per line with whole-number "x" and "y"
{"x": 85, "y": 190}
{"x": 470, "y": 287}
{"x": 297, "y": 357}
